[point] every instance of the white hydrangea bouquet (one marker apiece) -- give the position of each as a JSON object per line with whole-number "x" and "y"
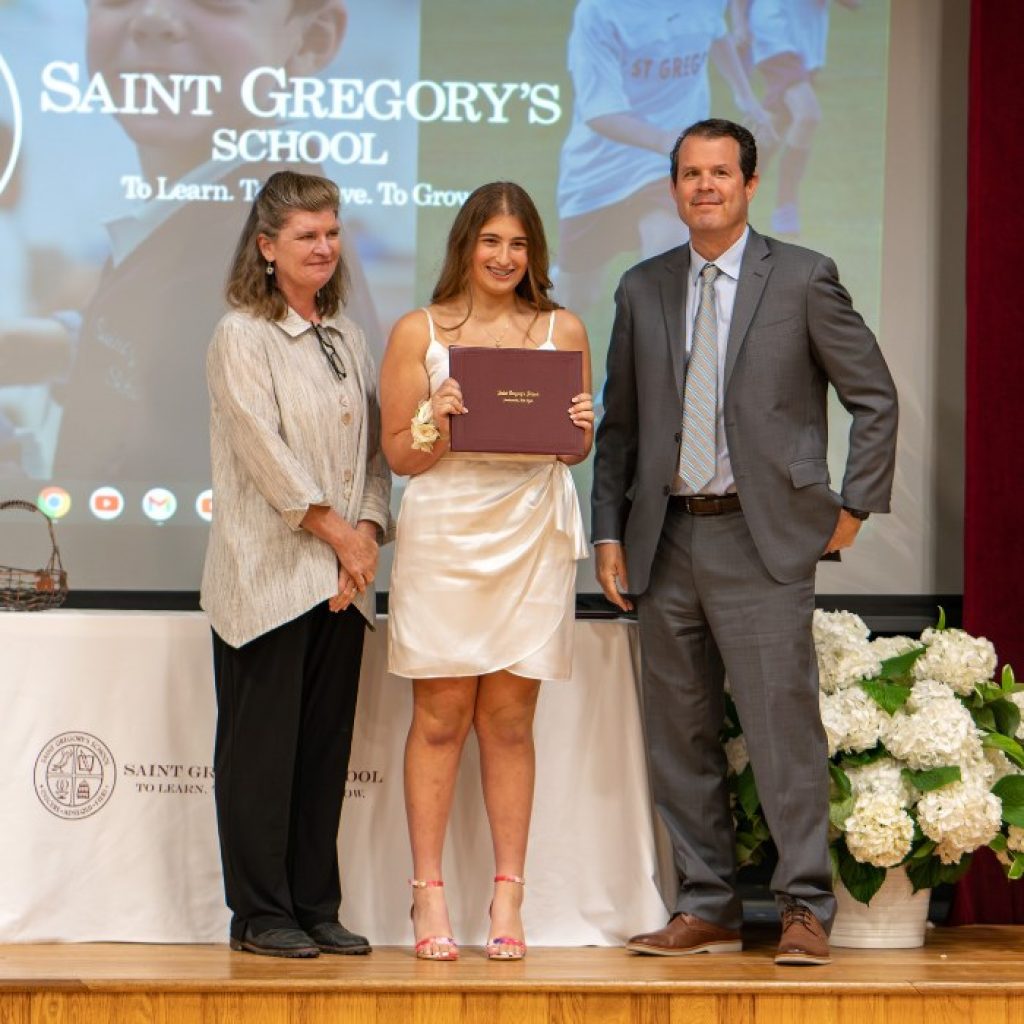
{"x": 925, "y": 756}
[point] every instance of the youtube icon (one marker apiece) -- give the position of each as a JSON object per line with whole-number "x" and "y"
{"x": 106, "y": 503}
{"x": 204, "y": 506}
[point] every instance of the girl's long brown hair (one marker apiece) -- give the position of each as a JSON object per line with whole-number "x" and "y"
{"x": 493, "y": 200}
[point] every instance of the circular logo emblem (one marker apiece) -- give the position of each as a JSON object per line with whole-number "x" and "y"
{"x": 159, "y": 504}
{"x": 75, "y": 775}
{"x": 106, "y": 502}
{"x": 204, "y": 506}
{"x": 54, "y": 501}
{"x": 10, "y": 109}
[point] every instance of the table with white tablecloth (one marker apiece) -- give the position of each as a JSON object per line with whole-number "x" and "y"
{"x": 106, "y": 786}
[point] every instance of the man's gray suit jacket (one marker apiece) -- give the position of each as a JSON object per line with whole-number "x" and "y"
{"x": 793, "y": 331}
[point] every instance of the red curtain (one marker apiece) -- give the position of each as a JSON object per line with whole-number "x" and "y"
{"x": 994, "y": 451}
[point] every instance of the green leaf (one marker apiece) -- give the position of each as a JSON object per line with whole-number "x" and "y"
{"x": 941, "y": 624}
{"x": 731, "y": 727}
{"x": 1009, "y": 683}
{"x": 986, "y": 693}
{"x": 889, "y": 696}
{"x": 925, "y": 873}
{"x": 1016, "y": 868}
{"x": 746, "y": 791}
{"x": 760, "y": 828}
{"x": 984, "y": 718}
{"x": 746, "y": 852}
{"x": 932, "y": 778}
{"x": 1010, "y": 789}
{"x": 926, "y": 849}
{"x": 998, "y": 843}
{"x": 899, "y": 665}
{"x": 861, "y": 880}
{"x": 1007, "y": 716}
{"x": 858, "y": 760}
{"x": 840, "y": 781}
{"x": 951, "y": 873}
{"x": 840, "y": 810}
{"x": 1010, "y": 747}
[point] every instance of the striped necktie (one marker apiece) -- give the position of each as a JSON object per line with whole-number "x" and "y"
{"x": 700, "y": 400}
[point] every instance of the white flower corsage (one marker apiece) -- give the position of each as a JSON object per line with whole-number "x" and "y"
{"x": 423, "y": 428}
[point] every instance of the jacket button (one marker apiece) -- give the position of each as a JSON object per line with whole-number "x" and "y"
{"x": 346, "y": 418}
{"x": 678, "y": 437}
{"x": 666, "y": 490}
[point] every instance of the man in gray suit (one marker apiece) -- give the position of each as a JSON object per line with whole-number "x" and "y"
{"x": 711, "y": 508}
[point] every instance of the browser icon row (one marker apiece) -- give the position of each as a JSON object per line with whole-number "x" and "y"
{"x": 107, "y": 503}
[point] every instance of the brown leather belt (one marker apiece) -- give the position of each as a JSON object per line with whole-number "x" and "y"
{"x": 704, "y": 504}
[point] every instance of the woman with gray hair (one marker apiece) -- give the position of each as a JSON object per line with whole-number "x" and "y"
{"x": 301, "y": 494}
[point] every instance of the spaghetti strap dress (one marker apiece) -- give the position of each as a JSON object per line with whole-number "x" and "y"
{"x": 484, "y": 569}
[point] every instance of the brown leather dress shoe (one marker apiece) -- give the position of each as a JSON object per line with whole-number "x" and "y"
{"x": 686, "y": 934}
{"x": 803, "y": 942}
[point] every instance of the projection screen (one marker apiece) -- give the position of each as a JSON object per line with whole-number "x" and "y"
{"x": 133, "y": 136}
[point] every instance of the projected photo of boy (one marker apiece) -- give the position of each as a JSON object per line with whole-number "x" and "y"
{"x": 131, "y": 380}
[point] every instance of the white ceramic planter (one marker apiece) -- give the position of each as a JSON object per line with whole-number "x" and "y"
{"x": 895, "y": 918}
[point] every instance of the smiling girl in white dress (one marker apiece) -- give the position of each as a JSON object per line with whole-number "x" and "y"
{"x": 482, "y": 589}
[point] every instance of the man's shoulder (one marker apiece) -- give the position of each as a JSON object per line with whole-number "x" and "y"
{"x": 788, "y": 252}
{"x": 655, "y": 266}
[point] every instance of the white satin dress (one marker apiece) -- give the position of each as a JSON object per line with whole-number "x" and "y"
{"x": 485, "y": 559}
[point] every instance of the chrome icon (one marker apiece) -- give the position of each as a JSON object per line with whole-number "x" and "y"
{"x": 54, "y": 501}
{"x": 159, "y": 504}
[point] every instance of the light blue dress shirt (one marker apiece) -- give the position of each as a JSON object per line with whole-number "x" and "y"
{"x": 725, "y": 297}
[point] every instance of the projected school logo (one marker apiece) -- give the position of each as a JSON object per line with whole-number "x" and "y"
{"x": 75, "y": 775}
{"x": 10, "y": 115}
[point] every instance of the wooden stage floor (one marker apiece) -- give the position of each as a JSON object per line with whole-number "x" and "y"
{"x": 961, "y": 975}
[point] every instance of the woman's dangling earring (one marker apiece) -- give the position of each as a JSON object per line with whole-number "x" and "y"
{"x": 270, "y": 268}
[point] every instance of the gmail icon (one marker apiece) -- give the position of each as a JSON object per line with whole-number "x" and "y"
{"x": 159, "y": 504}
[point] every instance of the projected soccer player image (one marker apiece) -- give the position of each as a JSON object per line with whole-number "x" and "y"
{"x": 129, "y": 373}
{"x": 786, "y": 41}
{"x": 640, "y": 72}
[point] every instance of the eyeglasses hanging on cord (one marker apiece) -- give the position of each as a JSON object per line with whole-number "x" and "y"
{"x": 329, "y": 351}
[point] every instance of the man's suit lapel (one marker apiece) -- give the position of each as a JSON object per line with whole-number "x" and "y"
{"x": 754, "y": 272}
{"x": 672, "y": 286}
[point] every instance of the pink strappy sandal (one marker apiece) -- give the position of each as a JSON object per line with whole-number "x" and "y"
{"x": 504, "y": 947}
{"x": 445, "y": 947}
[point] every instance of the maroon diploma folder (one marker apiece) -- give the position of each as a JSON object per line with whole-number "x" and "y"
{"x": 518, "y": 400}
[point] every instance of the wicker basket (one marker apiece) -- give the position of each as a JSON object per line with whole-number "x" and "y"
{"x": 33, "y": 590}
